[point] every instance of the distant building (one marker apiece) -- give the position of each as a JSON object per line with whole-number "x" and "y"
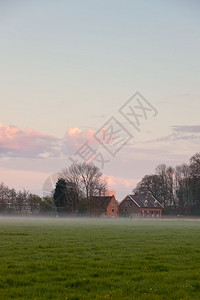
{"x": 105, "y": 206}
{"x": 141, "y": 205}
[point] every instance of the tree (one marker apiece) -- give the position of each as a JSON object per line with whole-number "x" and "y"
{"x": 182, "y": 184}
{"x": 170, "y": 186}
{"x": 195, "y": 159}
{"x": 21, "y": 201}
{"x": 160, "y": 185}
{"x": 195, "y": 178}
{"x": 175, "y": 187}
{"x": 12, "y": 201}
{"x": 4, "y": 192}
{"x": 86, "y": 179}
{"x": 47, "y": 206}
{"x": 161, "y": 171}
{"x": 34, "y": 202}
{"x": 60, "y": 195}
{"x": 150, "y": 184}
{"x": 65, "y": 196}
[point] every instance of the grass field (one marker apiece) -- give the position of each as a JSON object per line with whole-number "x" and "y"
{"x": 99, "y": 259}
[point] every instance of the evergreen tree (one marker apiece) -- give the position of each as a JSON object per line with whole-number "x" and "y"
{"x": 60, "y": 195}
{"x": 65, "y": 197}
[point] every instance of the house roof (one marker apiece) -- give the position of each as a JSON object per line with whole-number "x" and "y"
{"x": 99, "y": 202}
{"x": 145, "y": 201}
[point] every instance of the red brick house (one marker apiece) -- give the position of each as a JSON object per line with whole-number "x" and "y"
{"x": 105, "y": 206}
{"x": 141, "y": 205}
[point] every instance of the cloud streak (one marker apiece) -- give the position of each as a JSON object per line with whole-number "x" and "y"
{"x": 180, "y": 133}
{"x": 187, "y": 129}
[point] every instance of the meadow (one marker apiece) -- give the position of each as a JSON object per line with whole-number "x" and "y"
{"x": 99, "y": 259}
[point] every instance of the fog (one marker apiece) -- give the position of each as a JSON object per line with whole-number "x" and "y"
{"x": 86, "y": 220}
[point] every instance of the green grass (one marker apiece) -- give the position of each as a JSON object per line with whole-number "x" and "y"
{"x": 99, "y": 259}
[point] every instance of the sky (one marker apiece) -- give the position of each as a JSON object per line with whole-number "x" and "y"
{"x": 71, "y": 70}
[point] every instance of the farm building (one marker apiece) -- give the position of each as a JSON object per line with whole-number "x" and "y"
{"x": 104, "y": 206}
{"x": 141, "y": 205}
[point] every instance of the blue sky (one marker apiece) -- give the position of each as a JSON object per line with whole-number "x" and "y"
{"x": 73, "y": 64}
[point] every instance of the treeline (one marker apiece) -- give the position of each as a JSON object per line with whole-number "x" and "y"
{"x": 177, "y": 188}
{"x": 72, "y": 194}
{"x": 24, "y": 203}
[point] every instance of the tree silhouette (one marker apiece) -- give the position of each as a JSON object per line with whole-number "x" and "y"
{"x": 65, "y": 197}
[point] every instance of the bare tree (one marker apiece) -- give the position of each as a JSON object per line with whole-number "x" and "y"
{"x": 195, "y": 159}
{"x": 170, "y": 184}
{"x": 150, "y": 184}
{"x": 34, "y": 202}
{"x": 182, "y": 184}
{"x": 195, "y": 178}
{"x": 4, "y": 194}
{"x": 86, "y": 179}
{"x": 22, "y": 201}
{"x": 175, "y": 187}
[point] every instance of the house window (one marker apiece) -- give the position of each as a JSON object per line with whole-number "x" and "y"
{"x": 147, "y": 213}
{"x": 143, "y": 213}
{"x": 157, "y": 213}
{"x": 152, "y": 213}
{"x": 113, "y": 210}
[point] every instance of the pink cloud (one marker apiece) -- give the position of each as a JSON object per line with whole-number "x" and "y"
{"x": 122, "y": 184}
{"x": 28, "y": 142}
{"x": 75, "y": 138}
{"x": 115, "y": 181}
{"x": 73, "y": 131}
{"x": 15, "y": 142}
